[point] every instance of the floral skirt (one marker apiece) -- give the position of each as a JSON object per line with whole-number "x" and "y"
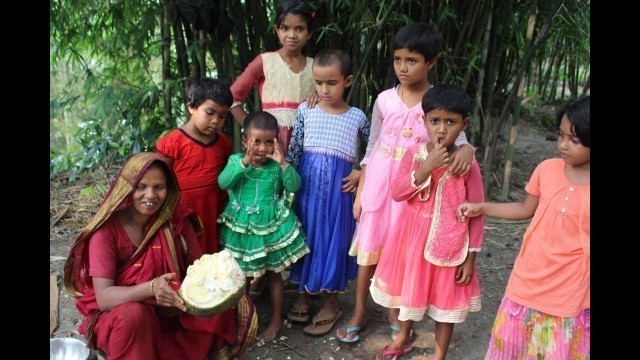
{"x": 525, "y": 334}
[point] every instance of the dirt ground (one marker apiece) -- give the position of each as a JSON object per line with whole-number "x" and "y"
{"x": 71, "y": 206}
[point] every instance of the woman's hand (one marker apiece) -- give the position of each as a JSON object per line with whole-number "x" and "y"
{"x": 164, "y": 294}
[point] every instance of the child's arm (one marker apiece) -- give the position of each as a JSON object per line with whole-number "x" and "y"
{"x": 357, "y": 207}
{"x": 475, "y": 194}
{"x": 409, "y": 181}
{"x": 167, "y": 146}
{"x": 233, "y": 173}
{"x": 351, "y": 181}
{"x": 374, "y": 132}
{"x": 462, "y": 157}
{"x": 294, "y": 152}
{"x": 509, "y": 211}
{"x": 240, "y": 88}
{"x": 291, "y": 179}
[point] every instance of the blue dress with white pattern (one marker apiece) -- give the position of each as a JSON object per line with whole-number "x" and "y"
{"x": 324, "y": 148}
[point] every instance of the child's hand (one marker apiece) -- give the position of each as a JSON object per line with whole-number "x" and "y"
{"x": 248, "y": 154}
{"x": 357, "y": 208}
{"x": 277, "y": 154}
{"x": 468, "y": 210}
{"x": 464, "y": 271}
{"x": 313, "y": 99}
{"x": 351, "y": 181}
{"x": 461, "y": 163}
{"x": 436, "y": 158}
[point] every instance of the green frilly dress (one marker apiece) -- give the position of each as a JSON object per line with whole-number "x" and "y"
{"x": 259, "y": 228}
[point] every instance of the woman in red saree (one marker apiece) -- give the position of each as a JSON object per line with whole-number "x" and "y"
{"x": 126, "y": 266}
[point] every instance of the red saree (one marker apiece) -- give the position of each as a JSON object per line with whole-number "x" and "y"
{"x": 143, "y": 330}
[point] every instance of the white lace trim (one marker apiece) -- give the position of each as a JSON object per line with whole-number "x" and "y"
{"x": 417, "y": 314}
{"x": 475, "y": 249}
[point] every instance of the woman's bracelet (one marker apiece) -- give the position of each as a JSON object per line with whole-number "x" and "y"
{"x": 151, "y": 287}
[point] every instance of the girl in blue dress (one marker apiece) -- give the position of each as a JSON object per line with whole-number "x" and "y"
{"x": 323, "y": 148}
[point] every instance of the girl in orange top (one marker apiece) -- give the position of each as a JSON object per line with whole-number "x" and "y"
{"x": 545, "y": 312}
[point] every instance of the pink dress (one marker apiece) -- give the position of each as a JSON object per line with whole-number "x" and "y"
{"x": 281, "y": 90}
{"x": 394, "y": 128}
{"x": 429, "y": 229}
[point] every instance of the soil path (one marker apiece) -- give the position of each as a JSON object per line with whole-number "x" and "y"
{"x": 69, "y": 211}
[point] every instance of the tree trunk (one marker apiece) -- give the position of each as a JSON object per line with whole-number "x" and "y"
{"x": 165, "y": 33}
{"x": 374, "y": 40}
{"x": 477, "y": 120}
{"x": 181, "y": 51}
{"x": 526, "y": 61}
{"x": 557, "y": 64}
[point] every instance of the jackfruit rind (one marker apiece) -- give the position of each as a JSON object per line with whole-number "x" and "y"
{"x": 214, "y": 283}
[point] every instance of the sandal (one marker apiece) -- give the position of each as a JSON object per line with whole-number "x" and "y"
{"x": 257, "y": 286}
{"x": 355, "y": 329}
{"x": 322, "y": 325}
{"x": 395, "y": 329}
{"x": 395, "y": 354}
{"x": 299, "y": 313}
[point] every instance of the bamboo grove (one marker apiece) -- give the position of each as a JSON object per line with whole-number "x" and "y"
{"x": 119, "y": 69}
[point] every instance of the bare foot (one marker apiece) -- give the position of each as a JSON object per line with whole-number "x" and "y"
{"x": 271, "y": 332}
{"x": 357, "y": 320}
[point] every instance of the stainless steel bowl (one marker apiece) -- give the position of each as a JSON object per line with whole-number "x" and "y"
{"x": 68, "y": 349}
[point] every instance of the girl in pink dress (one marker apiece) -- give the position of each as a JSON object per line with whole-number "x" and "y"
{"x": 546, "y": 309}
{"x": 430, "y": 268}
{"x": 396, "y": 124}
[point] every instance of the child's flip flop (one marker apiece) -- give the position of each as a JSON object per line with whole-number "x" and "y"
{"x": 299, "y": 313}
{"x": 393, "y": 332}
{"x": 355, "y": 329}
{"x": 383, "y": 353}
{"x": 321, "y": 325}
{"x": 395, "y": 329}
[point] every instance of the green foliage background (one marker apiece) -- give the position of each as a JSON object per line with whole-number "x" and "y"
{"x": 119, "y": 69}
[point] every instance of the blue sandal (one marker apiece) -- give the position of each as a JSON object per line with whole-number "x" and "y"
{"x": 393, "y": 335}
{"x": 355, "y": 329}
{"x": 393, "y": 330}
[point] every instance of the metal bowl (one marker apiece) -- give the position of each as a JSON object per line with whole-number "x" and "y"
{"x": 68, "y": 349}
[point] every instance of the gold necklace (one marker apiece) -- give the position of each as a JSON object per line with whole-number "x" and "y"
{"x": 407, "y": 131}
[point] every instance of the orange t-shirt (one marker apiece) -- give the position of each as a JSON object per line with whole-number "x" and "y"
{"x": 552, "y": 271}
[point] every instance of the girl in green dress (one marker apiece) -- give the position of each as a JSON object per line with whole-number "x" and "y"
{"x": 258, "y": 225}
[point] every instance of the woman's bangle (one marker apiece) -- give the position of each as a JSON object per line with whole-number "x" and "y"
{"x": 151, "y": 287}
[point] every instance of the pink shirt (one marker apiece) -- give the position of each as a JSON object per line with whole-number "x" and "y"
{"x": 552, "y": 271}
